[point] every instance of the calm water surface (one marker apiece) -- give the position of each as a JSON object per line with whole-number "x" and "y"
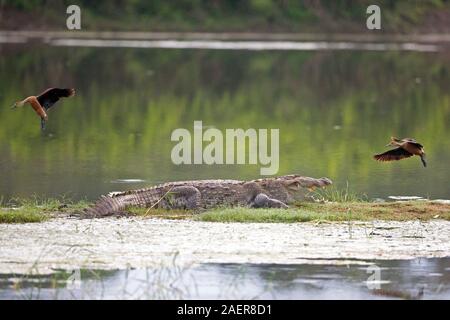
{"x": 334, "y": 109}
{"x": 399, "y": 279}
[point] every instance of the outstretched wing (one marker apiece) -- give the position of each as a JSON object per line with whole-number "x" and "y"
{"x": 394, "y": 154}
{"x": 50, "y": 96}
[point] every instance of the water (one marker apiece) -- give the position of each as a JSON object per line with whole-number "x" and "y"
{"x": 399, "y": 279}
{"x": 334, "y": 109}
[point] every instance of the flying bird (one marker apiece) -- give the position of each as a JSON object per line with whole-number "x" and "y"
{"x": 406, "y": 148}
{"x": 45, "y": 101}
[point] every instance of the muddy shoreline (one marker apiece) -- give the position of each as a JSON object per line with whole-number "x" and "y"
{"x": 113, "y": 243}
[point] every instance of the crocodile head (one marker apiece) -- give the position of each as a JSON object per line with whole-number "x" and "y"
{"x": 289, "y": 189}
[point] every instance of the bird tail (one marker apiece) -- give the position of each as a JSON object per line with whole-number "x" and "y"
{"x": 66, "y": 92}
{"x": 70, "y": 92}
{"x": 423, "y": 159}
{"x": 42, "y": 124}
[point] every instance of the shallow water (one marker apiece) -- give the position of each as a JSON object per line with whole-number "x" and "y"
{"x": 398, "y": 279}
{"x": 159, "y": 259}
{"x": 139, "y": 243}
{"x": 334, "y": 109}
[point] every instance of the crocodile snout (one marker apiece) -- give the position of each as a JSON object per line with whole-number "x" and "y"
{"x": 325, "y": 182}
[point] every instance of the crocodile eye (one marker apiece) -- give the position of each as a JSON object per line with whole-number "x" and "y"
{"x": 294, "y": 184}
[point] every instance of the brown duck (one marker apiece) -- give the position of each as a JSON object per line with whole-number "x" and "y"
{"x": 406, "y": 148}
{"x": 45, "y": 101}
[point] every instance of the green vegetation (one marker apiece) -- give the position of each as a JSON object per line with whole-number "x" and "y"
{"x": 36, "y": 210}
{"x": 327, "y": 212}
{"x": 334, "y": 194}
{"x": 225, "y": 15}
{"x": 304, "y": 212}
{"x": 22, "y": 215}
{"x": 266, "y": 215}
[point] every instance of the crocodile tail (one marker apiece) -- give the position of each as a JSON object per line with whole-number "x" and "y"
{"x": 106, "y": 206}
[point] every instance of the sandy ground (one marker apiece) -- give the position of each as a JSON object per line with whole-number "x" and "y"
{"x": 114, "y": 243}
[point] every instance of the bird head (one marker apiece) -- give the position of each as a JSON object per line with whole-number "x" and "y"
{"x": 394, "y": 142}
{"x": 17, "y": 104}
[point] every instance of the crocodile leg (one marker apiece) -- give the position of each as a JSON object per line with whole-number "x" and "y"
{"x": 263, "y": 201}
{"x": 183, "y": 197}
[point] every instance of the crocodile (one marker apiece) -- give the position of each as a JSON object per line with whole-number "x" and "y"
{"x": 276, "y": 192}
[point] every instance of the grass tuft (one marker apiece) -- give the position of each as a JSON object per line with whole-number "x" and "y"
{"x": 262, "y": 215}
{"x": 333, "y": 194}
{"x": 35, "y": 209}
{"x": 338, "y": 212}
{"x": 21, "y": 216}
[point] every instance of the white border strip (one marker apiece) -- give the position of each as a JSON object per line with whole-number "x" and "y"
{"x": 244, "y": 45}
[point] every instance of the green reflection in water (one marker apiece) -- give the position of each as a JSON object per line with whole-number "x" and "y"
{"x": 334, "y": 111}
